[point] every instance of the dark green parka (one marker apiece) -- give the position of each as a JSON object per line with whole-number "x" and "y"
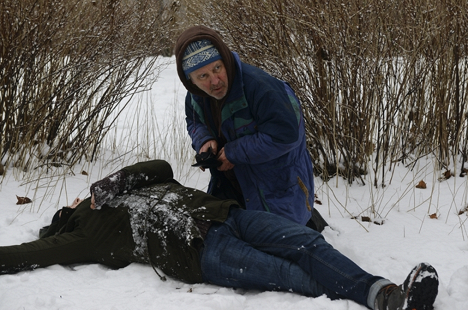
{"x": 154, "y": 217}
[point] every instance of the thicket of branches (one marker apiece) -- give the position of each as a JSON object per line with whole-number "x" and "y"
{"x": 66, "y": 67}
{"x": 381, "y": 82}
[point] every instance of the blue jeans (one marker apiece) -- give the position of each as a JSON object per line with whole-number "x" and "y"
{"x": 262, "y": 251}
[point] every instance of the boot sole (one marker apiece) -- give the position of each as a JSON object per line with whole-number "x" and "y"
{"x": 423, "y": 285}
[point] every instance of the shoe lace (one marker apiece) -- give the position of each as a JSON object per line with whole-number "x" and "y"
{"x": 386, "y": 291}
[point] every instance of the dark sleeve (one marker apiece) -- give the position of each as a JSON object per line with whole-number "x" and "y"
{"x": 147, "y": 173}
{"x": 131, "y": 177}
{"x": 107, "y": 188}
{"x": 197, "y": 130}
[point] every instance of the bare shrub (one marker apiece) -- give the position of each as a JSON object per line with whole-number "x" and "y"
{"x": 381, "y": 82}
{"x": 66, "y": 66}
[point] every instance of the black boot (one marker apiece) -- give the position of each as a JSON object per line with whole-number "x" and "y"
{"x": 317, "y": 222}
{"x": 418, "y": 292}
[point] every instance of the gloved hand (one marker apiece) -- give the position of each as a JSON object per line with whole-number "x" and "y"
{"x": 206, "y": 160}
{"x": 104, "y": 190}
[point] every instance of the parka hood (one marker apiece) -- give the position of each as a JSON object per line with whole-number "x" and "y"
{"x": 197, "y": 33}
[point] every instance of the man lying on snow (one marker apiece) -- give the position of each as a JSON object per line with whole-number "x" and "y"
{"x": 143, "y": 215}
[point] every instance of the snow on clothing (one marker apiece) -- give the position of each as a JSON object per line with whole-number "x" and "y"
{"x": 154, "y": 207}
{"x": 262, "y": 123}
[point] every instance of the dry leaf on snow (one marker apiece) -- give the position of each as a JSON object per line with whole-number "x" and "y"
{"x": 421, "y": 184}
{"x": 22, "y": 200}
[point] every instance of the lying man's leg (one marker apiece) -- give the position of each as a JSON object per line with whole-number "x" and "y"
{"x": 231, "y": 262}
{"x": 329, "y": 269}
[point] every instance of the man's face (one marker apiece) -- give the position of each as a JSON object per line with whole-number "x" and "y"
{"x": 212, "y": 79}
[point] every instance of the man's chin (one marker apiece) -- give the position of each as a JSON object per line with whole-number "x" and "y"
{"x": 219, "y": 95}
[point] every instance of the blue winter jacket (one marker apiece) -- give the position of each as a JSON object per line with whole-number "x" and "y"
{"x": 264, "y": 127}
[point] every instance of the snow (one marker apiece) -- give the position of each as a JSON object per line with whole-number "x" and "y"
{"x": 407, "y": 236}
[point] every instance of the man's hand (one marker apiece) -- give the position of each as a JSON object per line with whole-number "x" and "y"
{"x": 226, "y": 164}
{"x": 209, "y": 144}
{"x": 75, "y": 203}
{"x": 93, "y": 202}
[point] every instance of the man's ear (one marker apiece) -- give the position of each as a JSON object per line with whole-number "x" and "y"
{"x": 193, "y": 84}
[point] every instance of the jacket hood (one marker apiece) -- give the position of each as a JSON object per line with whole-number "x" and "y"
{"x": 197, "y": 33}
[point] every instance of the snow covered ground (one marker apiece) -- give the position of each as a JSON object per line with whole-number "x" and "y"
{"x": 408, "y": 235}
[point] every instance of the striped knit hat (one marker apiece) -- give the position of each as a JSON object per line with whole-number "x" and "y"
{"x": 199, "y": 54}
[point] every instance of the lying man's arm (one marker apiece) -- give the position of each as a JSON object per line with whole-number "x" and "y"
{"x": 134, "y": 176}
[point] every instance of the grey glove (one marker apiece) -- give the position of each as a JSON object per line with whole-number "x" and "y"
{"x": 107, "y": 188}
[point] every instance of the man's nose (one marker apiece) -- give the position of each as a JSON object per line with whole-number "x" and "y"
{"x": 215, "y": 79}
